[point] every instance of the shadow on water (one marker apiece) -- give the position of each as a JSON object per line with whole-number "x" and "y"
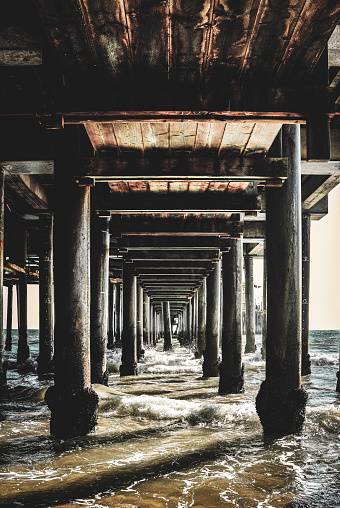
{"x": 107, "y": 481}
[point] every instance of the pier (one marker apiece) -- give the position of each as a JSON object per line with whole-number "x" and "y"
{"x": 149, "y": 152}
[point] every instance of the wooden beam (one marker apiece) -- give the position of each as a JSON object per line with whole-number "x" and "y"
{"x": 30, "y": 190}
{"x": 254, "y": 230}
{"x": 182, "y": 167}
{"x": 178, "y": 255}
{"x": 168, "y": 242}
{"x": 28, "y": 167}
{"x": 320, "y": 168}
{"x": 185, "y": 226}
{"x": 20, "y": 57}
{"x": 316, "y": 187}
{"x": 177, "y": 202}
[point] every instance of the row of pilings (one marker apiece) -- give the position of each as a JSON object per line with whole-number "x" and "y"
{"x": 81, "y": 302}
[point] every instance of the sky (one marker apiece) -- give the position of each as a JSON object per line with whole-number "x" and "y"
{"x": 324, "y": 312}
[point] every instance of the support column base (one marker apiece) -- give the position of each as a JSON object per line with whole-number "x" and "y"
{"x": 23, "y": 353}
{"x": 230, "y": 384}
{"x": 128, "y": 369}
{"x": 338, "y": 382}
{"x": 281, "y": 412}
{"x": 167, "y": 347}
{"x": 306, "y": 366}
{"x": 250, "y": 348}
{"x": 110, "y": 345}
{"x": 73, "y": 414}
{"x": 3, "y": 377}
{"x": 45, "y": 368}
{"x": 210, "y": 369}
{"x": 100, "y": 379}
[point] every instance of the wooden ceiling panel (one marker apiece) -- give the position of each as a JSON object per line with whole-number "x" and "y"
{"x": 129, "y": 136}
{"x": 139, "y": 186}
{"x": 178, "y": 186}
{"x": 198, "y": 186}
{"x": 261, "y": 138}
{"x": 190, "y": 26}
{"x": 218, "y": 186}
{"x": 237, "y": 187}
{"x": 159, "y": 186}
{"x": 183, "y": 136}
{"x": 156, "y": 136}
{"x": 122, "y": 187}
{"x": 235, "y": 138}
{"x": 209, "y": 136}
{"x": 148, "y": 31}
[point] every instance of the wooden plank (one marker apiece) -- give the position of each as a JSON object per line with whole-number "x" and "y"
{"x": 204, "y": 168}
{"x": 31, "y": 167}
{"x": 261, "y": 138}
{"x": 156, "y": 136}
{"x": 178, "y": 186}
{"x": 235, "y": 138}
{"x": 218, "y": 186}
{"x": 30, "y": 190}
{"x": 159, "y": 186}
{"x": 237, "y": 187}
{"x": 209, "y": 137}
{"x": 166, "y": 242}
{"x": 122, "y": 187}
{"x": 182, "y": 136}
{"x": 231, "y": 25}
{"x": 207, "y": 202}
{"x": 148, "y": 30}
{"x": 184, "y": 226}
{"x": 320, "y": 168}
{"x": 190, "y": 24}
{"x": 198, "y": 186}
{"x": 95, "y": 135}
{"x": 313, "y": 28}
{"x": 129, "y": 136}
{"x": 179, "y": 255}
{"x": 316, "y": 188}
{"x": 141, "y": 186}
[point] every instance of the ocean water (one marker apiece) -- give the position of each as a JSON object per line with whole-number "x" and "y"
{"x": 166, "y": 439}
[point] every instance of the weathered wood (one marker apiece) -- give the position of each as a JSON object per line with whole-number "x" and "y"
{"x": 191, "y": 168}
{"x": 139, "y": 322}
{"x": 149, "y": 202}
{"x": 316, "y": 188}
{"x": 281, "y": 401}
{"x": 146, "y": 318}
{"x": 46, "y": 335}
{"x": 72, "y": 401}
{"x": 110, "y": 336}
{"x": 171, "y": 243}
{"x": 320, "y": 168}
{"x": 23, "y": 351}
{"x": 201, "y": 317}
{"x": 305, "y": 358}
{"x": 8, "y": 346}
{"x": 250, "y": 305}
{"x": 182, "y": 254}
{"x": 129, "y": 335}
{"x": 100, "y": 240}
{"x": 30, "y": 190}
{"x": 172, "y": 225}
{"x": 20, "y": 57}
{"x": 167, "y": 326}
{"x": 2, "y": 236}
{"x": 211, "y": 352}
{"x": 32, "y": 167}
{"x": 118, "y": 314}
{"x": 231, "y": 368}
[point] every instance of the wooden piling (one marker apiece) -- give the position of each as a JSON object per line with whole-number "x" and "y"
{"x": 8, "y": 346}
{"x": 45, "y": 358}
{"x": 264, "y": 303}
{"x": 129, "y": 335}
{"x": 139, "y": 321}
{"x": 2, "y": 234}
{"x": 167, "y": 327}
{"x": 201, "y": 317}
{"x": 305, "y": 358}
{"x": 100, "y": 243}
{"x": 23, "y": 352}
{"x": 281, "y": 400}
{"x": 231, "y": 368}
{"x": 72, "y": 401}
{"x": 146, "y": 318}
{"x": 110, "y": 333}
{"x": 118, "y": 315}
{"x": 211, "y": 352}
{"x": 250, "y": 304}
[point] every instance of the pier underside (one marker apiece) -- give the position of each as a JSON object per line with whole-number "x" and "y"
{"x": 146, "y": 148}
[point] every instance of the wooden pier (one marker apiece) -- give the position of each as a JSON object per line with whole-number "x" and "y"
{"x": 147, "y": 151}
